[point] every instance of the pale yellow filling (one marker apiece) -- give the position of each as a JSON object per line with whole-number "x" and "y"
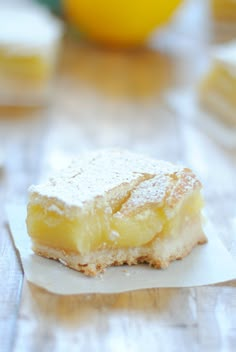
{"x": 219, "y": 80}
{"x": 91, "y": 232}
{"x": 33, "y": 69}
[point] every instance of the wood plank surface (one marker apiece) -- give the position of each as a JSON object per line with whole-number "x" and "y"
{"x": 113, "y": 98}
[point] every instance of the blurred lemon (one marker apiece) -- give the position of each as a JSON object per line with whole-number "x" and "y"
{"x": 118, "y": 22}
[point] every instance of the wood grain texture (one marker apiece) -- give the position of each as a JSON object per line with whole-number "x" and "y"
{"x": 111, "y": 98}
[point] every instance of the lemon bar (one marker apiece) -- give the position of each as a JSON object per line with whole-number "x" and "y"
{"x": 224, "y": 10}
{"x": 114, "y": 207}
{"x": 218, "y": 88}
{"x": 29, "y": 41}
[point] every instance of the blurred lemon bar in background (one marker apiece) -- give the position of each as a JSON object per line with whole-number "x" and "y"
{"x": 29, "y": 42}
{"x": 224, "y": 10}
{"x": 218, "y": 88}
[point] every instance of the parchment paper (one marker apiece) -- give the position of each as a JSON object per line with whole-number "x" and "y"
{"x": 207, "y": 264}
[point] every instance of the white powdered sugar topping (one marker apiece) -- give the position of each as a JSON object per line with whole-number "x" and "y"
{"x": 99, "y": 174}
{"x": 114, "y": 235}
{"x": 28, "y": 28}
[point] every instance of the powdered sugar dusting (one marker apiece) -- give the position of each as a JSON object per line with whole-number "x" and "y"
{"x": 55, "y": 209}
{"x": 185, "y": 182}
{"x": 114, "y": 235}
{"x": 149, "y": 191}
{"x": 168, "y": 187}
{"x": 97, "y": 174}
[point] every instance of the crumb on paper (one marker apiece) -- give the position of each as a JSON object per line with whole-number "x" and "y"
{"x": 126, "y": 272}
{"x": 100, "y": 277}
{"x": 62, "y": 262}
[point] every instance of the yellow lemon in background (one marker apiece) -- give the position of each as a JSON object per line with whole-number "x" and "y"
{"x": 118, "y": 22}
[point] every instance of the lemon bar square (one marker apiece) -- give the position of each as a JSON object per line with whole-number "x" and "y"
{"x": 114, "y": 207}
{"x": 29, "y": 42}
{"x": 217, "y": 89}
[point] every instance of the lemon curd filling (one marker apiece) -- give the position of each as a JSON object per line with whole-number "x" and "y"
{"x": 99, "y": 230}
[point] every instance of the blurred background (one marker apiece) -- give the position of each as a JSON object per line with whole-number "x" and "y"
{"x": 79, "y": 75}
